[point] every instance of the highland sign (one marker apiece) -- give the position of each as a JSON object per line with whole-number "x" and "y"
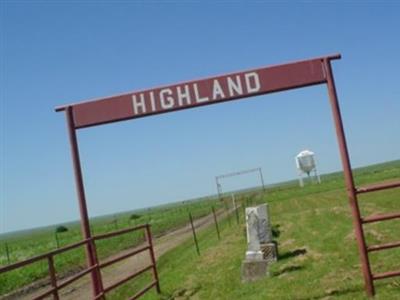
{"x": 197, "y": 93}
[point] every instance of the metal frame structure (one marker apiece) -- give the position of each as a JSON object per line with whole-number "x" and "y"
{"x": 94, "y": 269}
{"x": 219, "y": 187}
{"x": 311, "y": 178}
{"x": 215, "y": 90}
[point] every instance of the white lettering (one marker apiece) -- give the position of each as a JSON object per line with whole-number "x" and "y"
{"x": 217, "y": 90}
{"x": 138, "y": 104}
{"x": 183, "y": 95}
{"x": 152, "y": 101}
{"x": 256, "y": 82}
{"x": 166, "y": 102}
{"x": 196, "y": 93}
{"x": 235, "y": 87}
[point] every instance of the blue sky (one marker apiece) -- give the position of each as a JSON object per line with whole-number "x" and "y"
{"x": 60, "y": 52}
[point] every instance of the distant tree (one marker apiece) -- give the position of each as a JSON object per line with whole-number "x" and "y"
{"x": 61, "y": 228}
{"x": 134, "y": 216}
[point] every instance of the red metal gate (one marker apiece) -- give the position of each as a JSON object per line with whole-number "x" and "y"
{"x": 216, "y": 90}
{"x": 56, "y": 285}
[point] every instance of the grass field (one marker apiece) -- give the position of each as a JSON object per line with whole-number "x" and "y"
{"x": 318, "y": 253}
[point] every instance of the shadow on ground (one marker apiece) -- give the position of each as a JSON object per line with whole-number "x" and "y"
{"x": 294, "y": 253}
{"x": 288, "y": 269}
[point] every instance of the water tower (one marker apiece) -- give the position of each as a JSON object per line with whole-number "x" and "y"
{"x": 305, "y": 163}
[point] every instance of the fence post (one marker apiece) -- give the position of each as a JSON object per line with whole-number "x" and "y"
{"x": 57, "y": 241}
{"x": 152, "y": 256}
{"x": 237, "y": 214}
{"x": 7, "y": 253}
{"x": 235, "y": 208}
{"x": 194, "y": 234}
{"x": 53, "y": 278}
{"x": 216, "y": 222}
{"x": 116, "y": 223}
{"x": 97, "y": 270}
{"x": 227, "y": 213}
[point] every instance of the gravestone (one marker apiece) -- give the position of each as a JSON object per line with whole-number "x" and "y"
{"x": 253, "y": 240}
{"x": 260, "y": 247}
{"x": 268, "y": 246}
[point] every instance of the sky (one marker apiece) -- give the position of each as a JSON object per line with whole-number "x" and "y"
{"x": 69, "y": 51}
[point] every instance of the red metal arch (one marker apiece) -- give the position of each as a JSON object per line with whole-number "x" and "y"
{"x": 215, "y": 90}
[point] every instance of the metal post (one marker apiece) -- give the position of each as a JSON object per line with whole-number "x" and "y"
{"x": 57, "y": 241}
{"x": 97, "y": 286}
{"x": 348, "y": 175}
{"x": 8, "y": 253}
{"x": 194, "y": 234}
{"x": 228, "y": 215}
{"x": 317, "y": 176}
{"x": 53, "y": 278}
{"x": 219, "y": 190}
{"x": 235, "y": 208}
{"x": 301, "y": 183}
{"x": 262, "y": 179}
{"x": 153, "y": 258}
{"x": 115, "y": 223}
{"x": 237, "y": 215}
{"x": 216, "y": 222}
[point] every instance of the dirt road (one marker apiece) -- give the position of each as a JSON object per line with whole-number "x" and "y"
{"x": 82, "y": 288}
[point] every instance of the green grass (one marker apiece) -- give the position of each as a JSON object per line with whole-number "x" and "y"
{"x": 318, "y": 253}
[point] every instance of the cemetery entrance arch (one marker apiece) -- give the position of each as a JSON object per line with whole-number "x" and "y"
{"x": 215, "y": 90}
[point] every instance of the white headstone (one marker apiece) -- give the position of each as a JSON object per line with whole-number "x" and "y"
{"x": 264, "y": 229}
{"x": 253, "y": 243}
{"x": 258, "y": 230}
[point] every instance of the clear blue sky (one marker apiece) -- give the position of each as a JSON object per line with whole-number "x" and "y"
{"x": 58, "y": 53}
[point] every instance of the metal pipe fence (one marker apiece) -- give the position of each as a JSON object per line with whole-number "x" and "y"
{"x": 57, "y": 285}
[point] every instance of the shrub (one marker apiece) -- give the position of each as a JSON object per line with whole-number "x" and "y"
{"x": 135, "y": 216}
{"x": 61, "y": 228}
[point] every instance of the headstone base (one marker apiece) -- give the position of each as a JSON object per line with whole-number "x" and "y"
{"x": 270, "y": 251}
{"x": 253, "y": 270}
{"x": 254, "y": 255}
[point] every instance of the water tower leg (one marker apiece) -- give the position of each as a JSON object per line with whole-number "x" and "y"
{"x": 317, "y": 175}
{"x": 310, "y": 178}
{"x": 301, "y": 183}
